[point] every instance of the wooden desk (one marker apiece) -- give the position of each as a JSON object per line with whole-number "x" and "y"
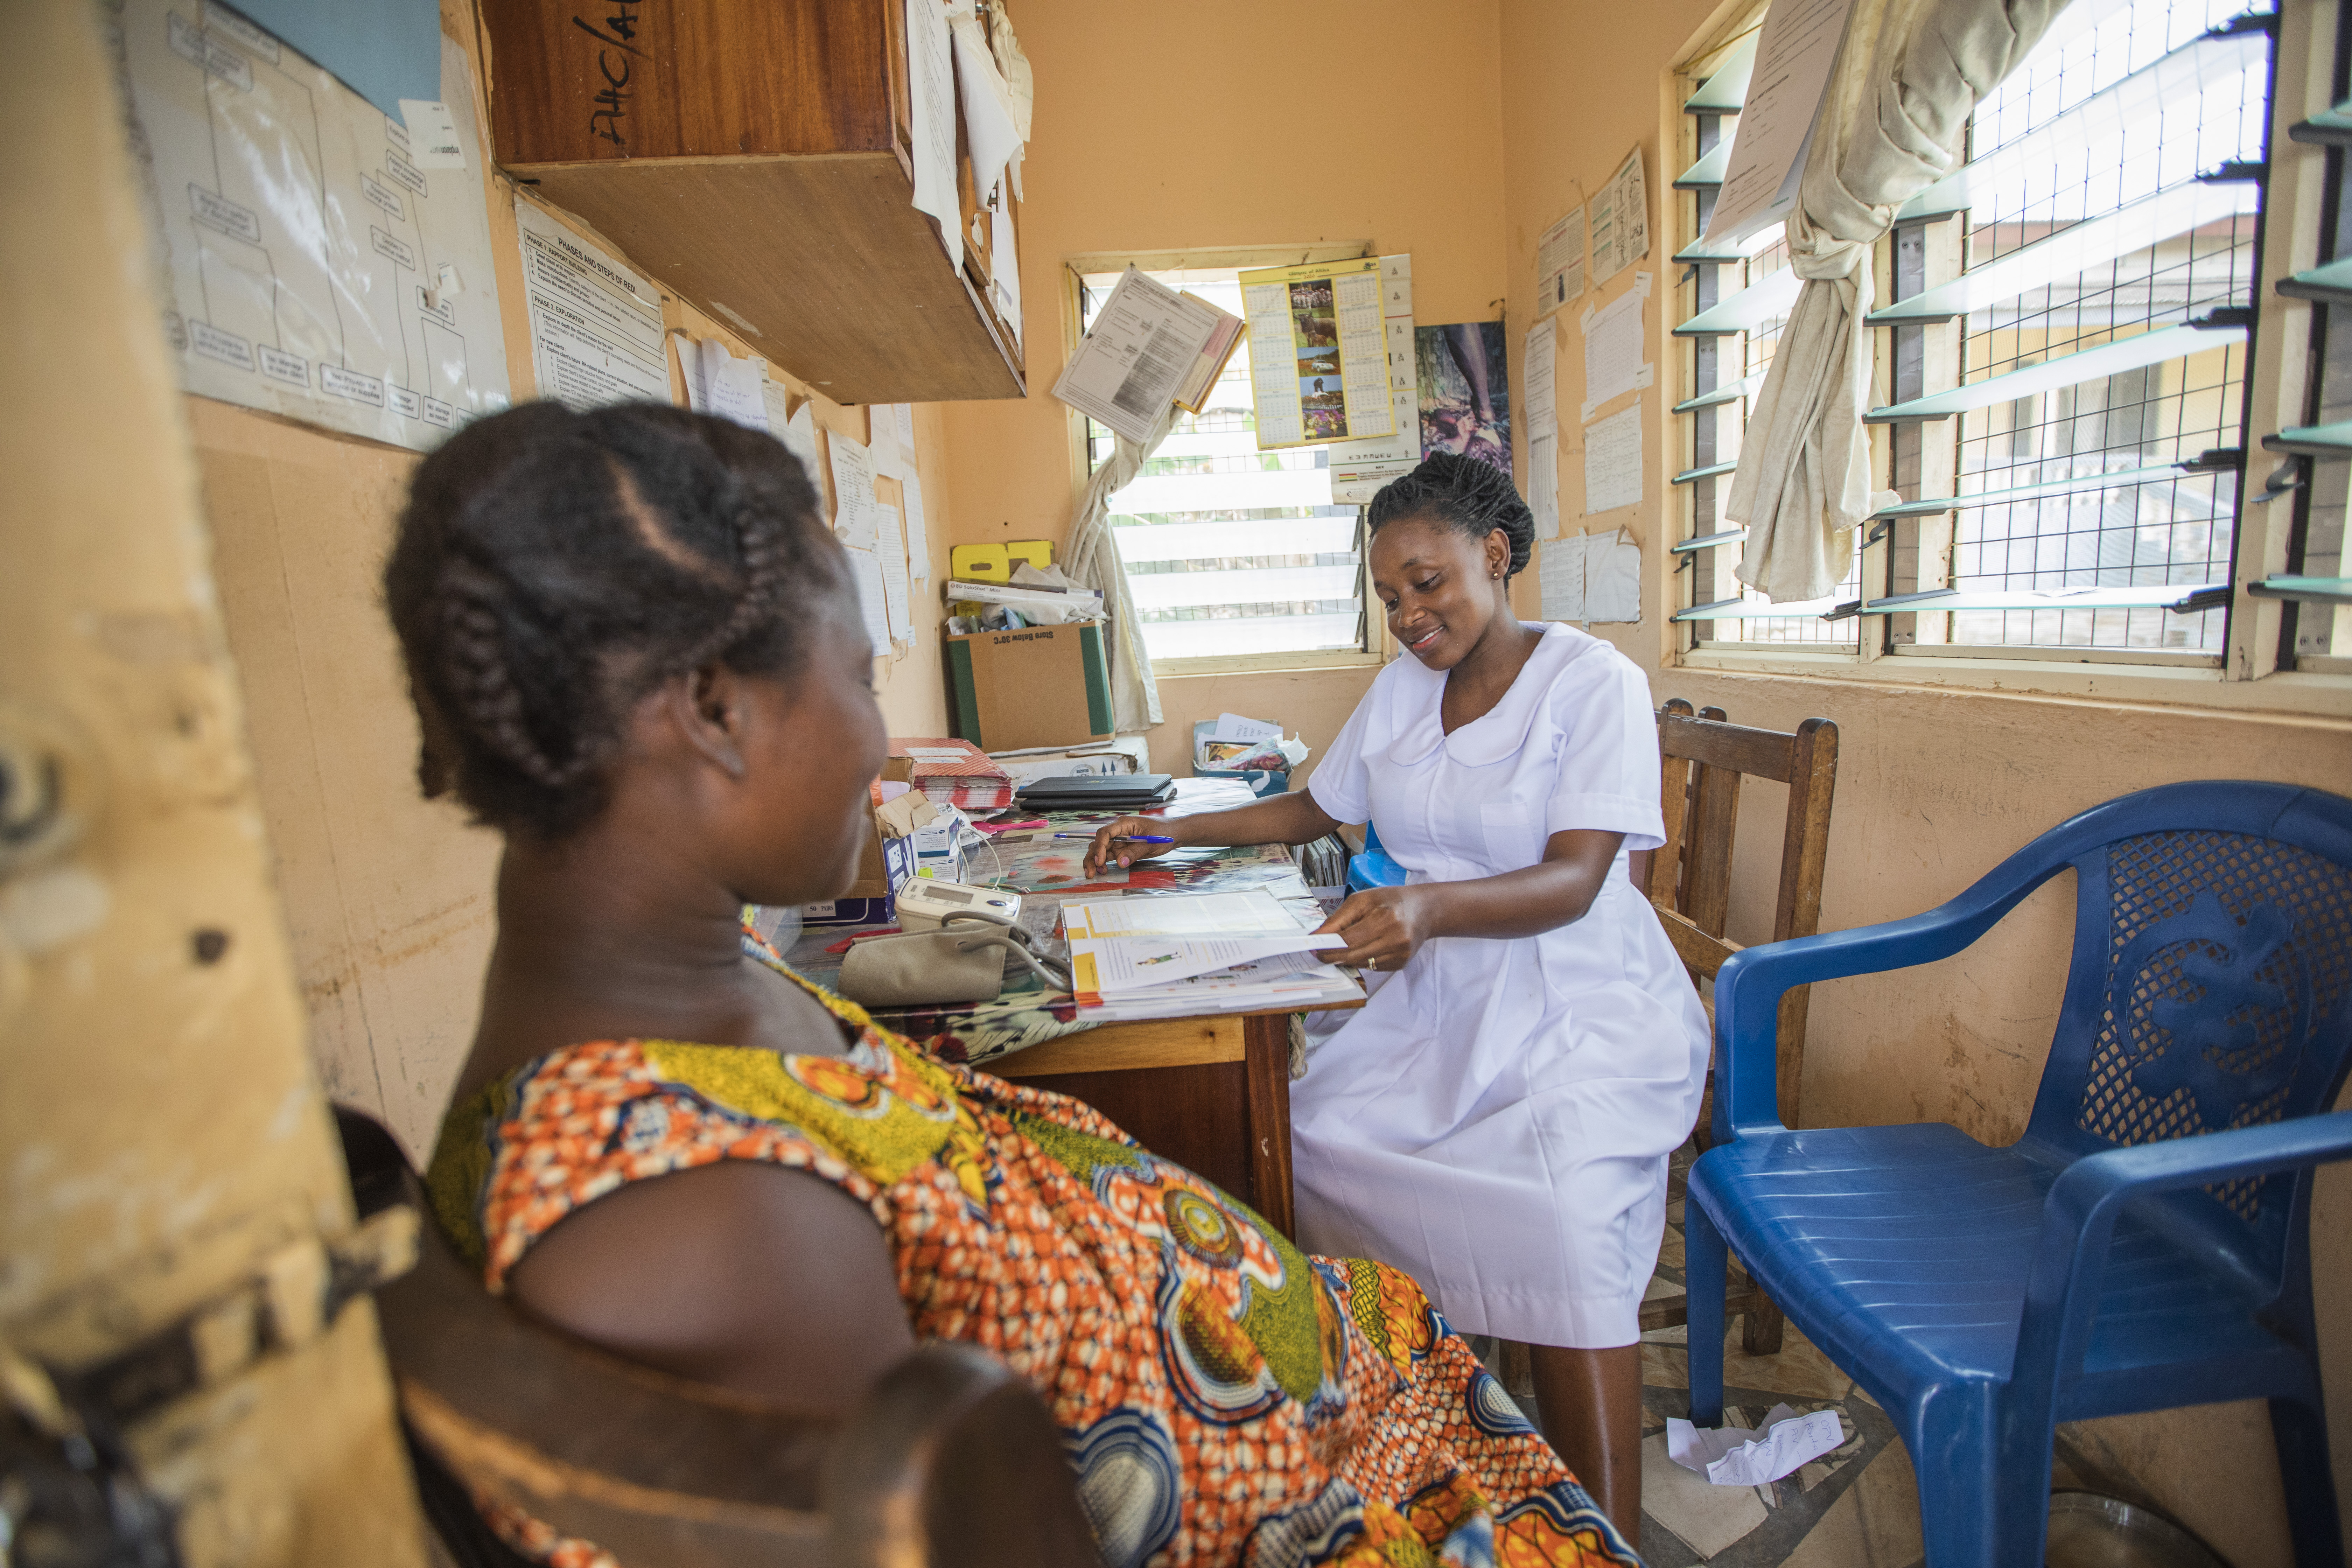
{"x": 1211, "y": 1094}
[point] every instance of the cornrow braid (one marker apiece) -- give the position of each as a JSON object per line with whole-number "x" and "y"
{"x": 474, "y": 655}
{"x": 1471, "y": 498}
{"x": 756, "y": 544}
{"x": 552, "y": 567}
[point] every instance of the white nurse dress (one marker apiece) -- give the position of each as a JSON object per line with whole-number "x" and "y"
{"x": 1497, "y": 1120}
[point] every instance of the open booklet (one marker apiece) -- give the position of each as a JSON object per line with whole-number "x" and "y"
{"x": 1131, "y": 950}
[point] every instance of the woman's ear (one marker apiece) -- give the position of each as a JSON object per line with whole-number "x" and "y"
{"x": 1498, "y": 553}
{"x": 707, "y": 704}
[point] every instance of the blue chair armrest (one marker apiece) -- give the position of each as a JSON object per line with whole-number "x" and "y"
{"x": 2079, "y": 1217}
{"x": 1749, "y": 988}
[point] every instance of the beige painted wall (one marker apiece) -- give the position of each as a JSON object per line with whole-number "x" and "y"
{"x": 1155, "y": 137}
{"x": 1935, "y": 786}
{"x": 388, "y": 896}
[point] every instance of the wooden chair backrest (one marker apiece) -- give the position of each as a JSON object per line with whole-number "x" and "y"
{"x": 951, "y": 1461}
{"x": 1703, "y": 759}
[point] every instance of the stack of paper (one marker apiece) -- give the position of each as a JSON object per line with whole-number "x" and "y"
{"x": 955, "y": 773}
{"x": 1184, "y": 954}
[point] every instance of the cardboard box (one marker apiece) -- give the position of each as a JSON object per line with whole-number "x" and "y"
{"x": 1039, "y": 686}
{"x": 883, "y": 866}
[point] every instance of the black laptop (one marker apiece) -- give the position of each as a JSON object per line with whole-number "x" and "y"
{"x": 1117, "y": 792}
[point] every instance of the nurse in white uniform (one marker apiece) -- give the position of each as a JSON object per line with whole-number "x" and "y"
{"x": 1498, "y": 1120}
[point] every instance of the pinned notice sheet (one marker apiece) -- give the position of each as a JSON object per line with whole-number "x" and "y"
{"x": 1621, "y": 221}
{"x": 918, "y": 539}
{"x": 1614, "y": 347}
{"x": 733, "y": 388}
{"x": 853, "y": 491}
{"x": 1358, "y": 468}
{"x": 893, "y": 543}
{"x": 1559, "y": 263}
{"x": 873, "y": 599}
{"x": 1144, "y": 339}
{"x": 1591, "y": 577}
{"x": 1613, "y": 462}
{"x": 1793, "y": 60}
{"x": 932, "y": 103}
{"x": 1538, "y": 361}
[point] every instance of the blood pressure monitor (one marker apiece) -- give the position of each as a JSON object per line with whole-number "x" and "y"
{"x": 925, "y": 904}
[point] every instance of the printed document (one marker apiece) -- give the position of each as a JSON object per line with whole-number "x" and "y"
{"x": 1621, "y": 221}
{"x": 1126, "y": 371}
{"x": 1358, "y": 468}
{"x": 1613, "y": 462}
{"x": 595, "y": 323}
{"x": 1559, "y": 264}
{"x": 1793, "y": 60}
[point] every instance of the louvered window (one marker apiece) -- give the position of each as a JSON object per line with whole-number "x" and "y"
{"x": 2061, "y": 348}
{"x": 1231, "y": 552}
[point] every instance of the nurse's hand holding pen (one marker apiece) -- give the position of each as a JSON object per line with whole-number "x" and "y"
{"x": 1122, "y": 843}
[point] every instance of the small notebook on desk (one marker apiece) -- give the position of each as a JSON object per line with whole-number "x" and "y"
{"x": 1183, "y": 954}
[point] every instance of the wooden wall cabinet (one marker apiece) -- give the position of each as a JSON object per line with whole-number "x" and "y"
{"x": 755, "y": 157}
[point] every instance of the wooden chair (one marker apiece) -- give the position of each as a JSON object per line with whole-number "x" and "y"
{"x": 951, "y": 1462}
{"x": 1689, "y": 884}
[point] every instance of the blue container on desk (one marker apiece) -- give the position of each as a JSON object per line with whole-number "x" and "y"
{"x": 1262, "y": 782}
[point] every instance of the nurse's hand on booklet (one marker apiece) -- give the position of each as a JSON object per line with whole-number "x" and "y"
{"x": 1384, "y": 928}
{"x": 1103, "y": 852}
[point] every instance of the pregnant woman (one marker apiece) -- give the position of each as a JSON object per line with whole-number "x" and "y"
{"x": 1496, "y": 1120}
{"x": 637, "y": 654}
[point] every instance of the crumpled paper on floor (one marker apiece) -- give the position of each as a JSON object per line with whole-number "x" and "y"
{"x": 1736, "y": 1457}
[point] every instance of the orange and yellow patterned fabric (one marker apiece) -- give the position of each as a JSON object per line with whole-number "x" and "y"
{"x": 1223, "y": 1397}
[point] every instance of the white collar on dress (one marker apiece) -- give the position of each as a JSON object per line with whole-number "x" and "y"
{"x": 1497, "y": 734}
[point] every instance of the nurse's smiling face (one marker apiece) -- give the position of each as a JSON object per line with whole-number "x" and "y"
{"x": 1443, "y": 589}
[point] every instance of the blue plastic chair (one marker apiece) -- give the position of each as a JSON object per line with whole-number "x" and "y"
{"x": 1375, "y": 867}
{"x": 2145, "y": 1244}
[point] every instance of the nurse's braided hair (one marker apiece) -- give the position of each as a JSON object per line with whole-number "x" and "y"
{"x": 1471, "y": 498}
{"x": 552, "y": 567}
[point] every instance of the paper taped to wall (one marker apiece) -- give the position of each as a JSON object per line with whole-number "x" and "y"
{"x": 1358, "y": 468}
{"x": 595, "y": 323}
{"x": 931, "y": 106}
{"x": 1621, "y": 221}
{"x": 733, "y": 388}
{"x": 853, "y": 517}
{"x": 1613, "y": 462}
{"x": 1614, "y": 347}
{"x": 311, "y": 268}
{"x": 1559, "y": 263}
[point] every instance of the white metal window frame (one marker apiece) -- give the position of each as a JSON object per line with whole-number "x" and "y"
{"x": 1378, "y": 649}
{"x": 2248, "y": 673}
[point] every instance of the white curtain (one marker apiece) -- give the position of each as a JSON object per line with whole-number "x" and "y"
{"x": 1909, "y": 75}
{"x": 1091, "y": 558}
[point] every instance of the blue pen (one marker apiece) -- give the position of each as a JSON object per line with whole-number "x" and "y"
{"x": 1123, "y": 837}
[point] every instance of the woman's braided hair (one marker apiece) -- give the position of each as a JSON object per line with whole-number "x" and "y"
{"x": 1471, "y": 498}
{"x": 552, "y": 567}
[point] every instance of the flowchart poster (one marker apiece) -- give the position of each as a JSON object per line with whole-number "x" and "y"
{"x": 311, "y": 266}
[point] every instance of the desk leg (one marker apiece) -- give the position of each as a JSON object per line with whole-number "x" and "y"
{"x": 1265, "y": 1062}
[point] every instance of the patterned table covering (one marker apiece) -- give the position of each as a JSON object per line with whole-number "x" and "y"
{"x": 1045, "y": 870}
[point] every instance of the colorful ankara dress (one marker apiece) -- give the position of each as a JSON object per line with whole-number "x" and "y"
{"x": 1224, "y": 1398}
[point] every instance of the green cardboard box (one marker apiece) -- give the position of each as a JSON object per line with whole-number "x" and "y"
{"x": 1039, "y": 686}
